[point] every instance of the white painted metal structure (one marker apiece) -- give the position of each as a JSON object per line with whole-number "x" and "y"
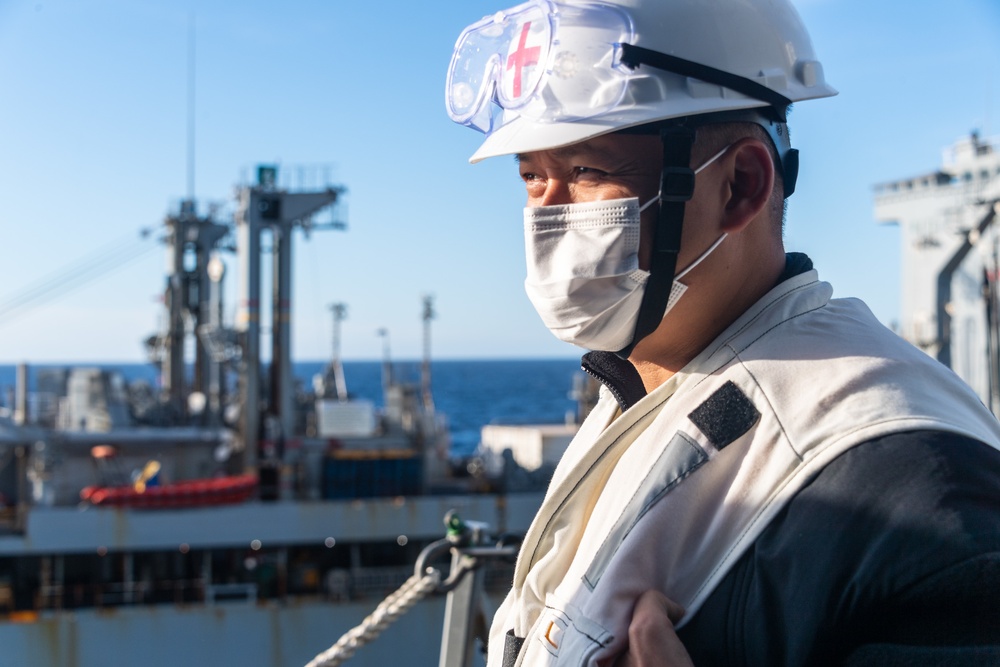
{"x": 949, "y": 257}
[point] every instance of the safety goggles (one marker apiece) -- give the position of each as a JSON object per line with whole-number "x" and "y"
{"x": 543, "y": 59}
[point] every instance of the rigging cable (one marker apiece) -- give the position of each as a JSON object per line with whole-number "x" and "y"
{"x": 388, "y": 611}
{"x": 99, "y": 263}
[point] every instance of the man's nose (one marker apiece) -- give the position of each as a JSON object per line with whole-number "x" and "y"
{"x": 557, "y": 192}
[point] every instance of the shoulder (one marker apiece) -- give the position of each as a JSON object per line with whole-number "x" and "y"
{"x": 889, "y": 513}
{"x": 897, "y": 540}
{"x": 934, "y": 483}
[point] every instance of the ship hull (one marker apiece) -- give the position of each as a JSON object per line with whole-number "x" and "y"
{"x": 206, "y": 619}
{"x": 268, "y": 634}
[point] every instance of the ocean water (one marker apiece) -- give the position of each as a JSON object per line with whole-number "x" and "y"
{"x": 469, "y": 393}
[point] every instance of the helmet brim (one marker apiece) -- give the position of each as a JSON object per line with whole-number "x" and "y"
{"x": 524, "y": 135}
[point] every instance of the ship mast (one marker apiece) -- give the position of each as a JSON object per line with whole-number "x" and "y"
{"x": 339, "y": 311}
{"x": 425, "y": 370}
{"x": 383, "y": 333}
{"x": 266, "y": 207}
{"x": 191, "y": 106}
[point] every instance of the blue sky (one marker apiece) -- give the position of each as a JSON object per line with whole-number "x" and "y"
{"x": 93, "y": 148}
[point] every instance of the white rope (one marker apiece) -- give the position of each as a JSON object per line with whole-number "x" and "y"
{"x": 398, "y": 603}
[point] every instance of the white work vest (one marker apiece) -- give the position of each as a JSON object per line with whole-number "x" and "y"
{"x": 670, "y": 494}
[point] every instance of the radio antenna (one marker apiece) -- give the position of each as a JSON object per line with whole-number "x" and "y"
{"x": 190, "y": 119}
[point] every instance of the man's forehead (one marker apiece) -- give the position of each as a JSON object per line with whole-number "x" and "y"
{"x": 605, "y": 146}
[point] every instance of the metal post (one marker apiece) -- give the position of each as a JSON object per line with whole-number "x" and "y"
{"x": 944, "y": 283}
{"x": 281, "y": 330}
{"x": 206, "y": 577}
{"x": 460, "y": 616}
{"x": 425, "y": 372}
{"x": 173, "y": 360}
{"x": 60, "y": 579}
{"x": 339, "y": 311}
{"x": 208, "y": 234}
{"x": 215, "y": 271}
{"x": 386, "y": 364}
{"x": 282, "y": 566}
{"x": 128, "y": 578}
{"x": 21, "y": 395}
{"x": 45, "y": 581}
{"x": 248, "y": 320}
{"x": 463, "y": 614}
{"x": 993, "y": 328}
{"x": 21, "y": 453}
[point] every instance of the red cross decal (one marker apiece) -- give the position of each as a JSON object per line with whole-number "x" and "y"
{"x": 521, "y": 58}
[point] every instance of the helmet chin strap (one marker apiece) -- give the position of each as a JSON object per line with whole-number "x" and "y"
{"x": 676, "y": 188}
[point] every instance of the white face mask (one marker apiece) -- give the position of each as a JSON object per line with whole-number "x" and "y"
{"x": 583, "y": 269}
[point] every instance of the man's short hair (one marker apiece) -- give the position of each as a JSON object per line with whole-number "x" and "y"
{"x": 713, "y": 137}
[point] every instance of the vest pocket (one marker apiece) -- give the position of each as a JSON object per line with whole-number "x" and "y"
{"x": 679, "y": 458}
{"x": 562, "y": 635}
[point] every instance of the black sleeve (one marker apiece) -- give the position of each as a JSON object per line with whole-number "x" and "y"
{"x": 890, "y": 555}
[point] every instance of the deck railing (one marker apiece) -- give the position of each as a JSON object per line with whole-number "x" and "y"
{"x": 339, "y": 585}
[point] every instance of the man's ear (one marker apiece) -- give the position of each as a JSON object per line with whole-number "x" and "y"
{"x": 751, "y": 181}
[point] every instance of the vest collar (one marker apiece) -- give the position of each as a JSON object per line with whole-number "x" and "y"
{"x": 620, "y": 376}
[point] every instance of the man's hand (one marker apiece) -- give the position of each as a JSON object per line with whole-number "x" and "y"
{"x": 652, "y": 641}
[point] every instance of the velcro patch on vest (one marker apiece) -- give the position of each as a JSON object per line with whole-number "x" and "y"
{"x": 725, "y": 415}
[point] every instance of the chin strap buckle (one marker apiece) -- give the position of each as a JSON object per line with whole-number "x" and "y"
{"x": 676, "y": 184}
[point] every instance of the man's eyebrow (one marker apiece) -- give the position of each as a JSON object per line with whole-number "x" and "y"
{"x": 565, "y": 152}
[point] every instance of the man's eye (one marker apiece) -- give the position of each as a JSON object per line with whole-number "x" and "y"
{"x": 587, "y": 171}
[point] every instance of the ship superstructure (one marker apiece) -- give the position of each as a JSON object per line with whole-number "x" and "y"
{"x": 228, "y": 515}
{"x": 950, "y": 253}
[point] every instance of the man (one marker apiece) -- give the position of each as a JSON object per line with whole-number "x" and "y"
{"x": 770, "y": 477}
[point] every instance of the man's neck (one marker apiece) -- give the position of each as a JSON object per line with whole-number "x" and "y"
{"x": 692, "y": 325}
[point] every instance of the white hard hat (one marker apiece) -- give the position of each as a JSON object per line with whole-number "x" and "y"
{"x": 551, "y": 73}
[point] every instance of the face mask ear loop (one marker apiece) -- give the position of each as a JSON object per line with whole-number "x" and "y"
{"x": 649, "y": 203}
{"x": 705, "y": 165}
{"x": 703, "y": 256}
{"x": 676, "y": 187}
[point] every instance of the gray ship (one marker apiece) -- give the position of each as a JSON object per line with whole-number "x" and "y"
{"x": 229, "y": 516}
{"x": 191, "y": 524}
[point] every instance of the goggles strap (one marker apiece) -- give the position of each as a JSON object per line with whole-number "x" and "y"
{"x": 676, "y": 188}
{"x": 633, "y": 56}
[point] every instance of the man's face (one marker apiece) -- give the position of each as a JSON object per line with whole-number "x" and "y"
{"x": 612, "y": 166}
